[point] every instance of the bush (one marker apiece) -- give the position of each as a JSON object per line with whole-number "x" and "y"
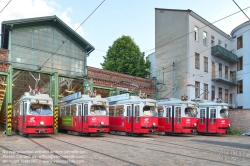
{"x": 234, "y": 132}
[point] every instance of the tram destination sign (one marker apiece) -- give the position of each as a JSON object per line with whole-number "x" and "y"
{"x": 71, "y": 97}
{"x": 118, "y": 97}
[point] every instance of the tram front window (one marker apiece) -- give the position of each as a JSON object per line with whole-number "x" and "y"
{"x": 190, "y": 112}
{"x": 98, "y": 110}
{"x": 224, "y": 113}
{"x": 149, "y": 111}
{"x": 40, "y": 109}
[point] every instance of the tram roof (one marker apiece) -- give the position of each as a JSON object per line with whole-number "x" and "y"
{"x": 212, "y": 103}
{"x": 132, "y": 100}
{"x": 177, "y": 101}
{"x": 49, "y": 20}
{"x": 87, "y": 98}
{"x": 37, "y": 96}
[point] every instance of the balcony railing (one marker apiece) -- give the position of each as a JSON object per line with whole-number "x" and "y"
{"x": 220, "y": 76}
{"x": 224, "y": 54}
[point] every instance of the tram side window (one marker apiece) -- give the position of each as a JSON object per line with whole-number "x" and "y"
{"x": 160, "y": 111}
{"x": 168, "y": 114}
{"x": 128, "y": 112}
{"x": 62, "y": 111}
{"x": 73, "y": 110}
{"x": 212, "y": 116}
{"x": 111, "y": 110}
{"x": 202, "y": 116}
{"x": 137, "y": 113}
{"x": 67, "y": 112}
{"x": 25, "y": 109}
{"x": 119, "y": 110}
{"x": 178, "y": 114}
{"x": 79, "y": 112}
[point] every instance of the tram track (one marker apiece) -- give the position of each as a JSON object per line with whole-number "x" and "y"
{"x": 98, "y": 152}
{"x": 52, "y": 152}
{"x": 166, "y": 152}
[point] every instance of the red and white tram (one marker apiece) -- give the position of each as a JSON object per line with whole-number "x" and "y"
{"x": 212, "y": 117}
{"x": 176, "y": 116}
{"x": 33, "y": 114}
{"x": 82, "y": 114}
{"x": 132, "y": 115}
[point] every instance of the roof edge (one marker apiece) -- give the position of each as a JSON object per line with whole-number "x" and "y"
{"x": 239, "y": 27}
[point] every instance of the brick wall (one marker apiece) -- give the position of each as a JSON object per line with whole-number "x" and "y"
{"x": 240, "y": 120}
{"x": 112, "y": 80}
{"x": 3, "y": 60}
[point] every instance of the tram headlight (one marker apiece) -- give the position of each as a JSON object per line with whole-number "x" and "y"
{"x": 194, "y": 124}
{"x": 154, "y": 124}
{"x": 42, "y": 123}
{"x": 102, "y": 123}
{"x": 229, "y": 125}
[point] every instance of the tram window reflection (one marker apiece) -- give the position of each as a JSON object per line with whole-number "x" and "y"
{"x": 202, "y": 116}
{"x": 178, "y": 114}
{"x": 190, "y": 112}
{"x": 149, "y": 111}
{"x": 39, "y": 109}
{"x": 212, "y": 116}
{"x": 224, "y": 113}
{"x": 111, "y": 110}
{"x": 98, "y": 110}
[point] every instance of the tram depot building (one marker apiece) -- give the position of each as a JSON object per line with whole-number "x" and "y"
{"x": 30, "y": 56}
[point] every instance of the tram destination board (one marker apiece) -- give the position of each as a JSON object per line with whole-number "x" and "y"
{"x": 118, "y": 97}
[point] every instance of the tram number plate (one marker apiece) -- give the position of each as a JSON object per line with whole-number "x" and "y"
{"x": 41, "y": 131}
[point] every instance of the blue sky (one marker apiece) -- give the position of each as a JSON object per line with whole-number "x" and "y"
{"x": 114, "y": 18}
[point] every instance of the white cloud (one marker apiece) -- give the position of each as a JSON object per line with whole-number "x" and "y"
{"x": 19, "y": 9}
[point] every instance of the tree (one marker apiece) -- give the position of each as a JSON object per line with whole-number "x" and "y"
{"x": 124, "y": 56}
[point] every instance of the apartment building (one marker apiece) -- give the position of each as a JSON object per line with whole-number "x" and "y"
{"x": 194, "y": 56}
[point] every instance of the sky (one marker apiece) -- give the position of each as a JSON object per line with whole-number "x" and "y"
{"x": 114, "y": 18}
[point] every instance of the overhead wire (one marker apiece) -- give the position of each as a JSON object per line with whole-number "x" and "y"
{"x": 5, "y": 6}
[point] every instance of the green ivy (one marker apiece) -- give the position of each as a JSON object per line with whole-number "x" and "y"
{"x": 234, "y": 132}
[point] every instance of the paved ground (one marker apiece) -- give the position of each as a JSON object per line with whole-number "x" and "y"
{"x": 63, "y": 149}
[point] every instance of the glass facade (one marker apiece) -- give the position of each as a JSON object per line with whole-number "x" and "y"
{"x": 31, "y": 47}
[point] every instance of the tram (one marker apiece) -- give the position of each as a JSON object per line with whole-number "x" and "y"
{"x": 83, "y": 114}
{"x": 33, "y": 114}
{"x": 212, "y": 117}
{"x": 132, "y": 115}
{"x": 177, "y": 116}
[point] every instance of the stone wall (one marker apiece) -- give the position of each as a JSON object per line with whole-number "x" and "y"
{"x": 240, "y": 120}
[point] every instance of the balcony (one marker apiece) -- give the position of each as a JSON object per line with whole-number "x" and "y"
{"x": 224, "y": 54}
{"x": 223, "y": 78}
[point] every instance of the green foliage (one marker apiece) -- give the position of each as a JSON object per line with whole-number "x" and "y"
{"x": 234, "y": 132}
{"x": 124, "y": 56}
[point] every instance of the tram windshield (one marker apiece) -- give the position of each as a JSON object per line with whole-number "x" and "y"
{"x": 149, "y": 111}
{"x": 40, "y": 109}
{"x": 98, "y": 110}
{"x": 190, "y": 112}
{"x": 224, "y": 113}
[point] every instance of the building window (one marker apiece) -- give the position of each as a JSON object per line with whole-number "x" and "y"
{"x": 240, "y": 86}
{"x": 220, "y": 70}
{"x": 225, "y": 46}
{"x": 213, "y": 93}
{"x": 205, "y": 38}
{"x": 226, "y": 96}
{"x": 197, "y": 89}
{"x": 226, "y": 72}
{"x": 220, "y": 93}
{"x": 239, "y": 64}
{"x": 197, "y": 61}
{"x": 196, "y": 33}
{"x": 219, "y": 42}
{"x": 239, "y": 42}
{"x": 205, "y": 93}
{"x": 205, "y": 64}
{"x": 212, "y": 40}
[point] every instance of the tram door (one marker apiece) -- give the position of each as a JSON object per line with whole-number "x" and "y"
{"x": 202, "y": 127}
{"x": 85, "y": 118}
{"x": 168, "y": 126}
{"x": 211, "y": 123}
{"x": 80, "y": 119}
{"x": 129, "y": 119}
{"x": 176, "y": 122}
{"x": 22, "y": 119}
